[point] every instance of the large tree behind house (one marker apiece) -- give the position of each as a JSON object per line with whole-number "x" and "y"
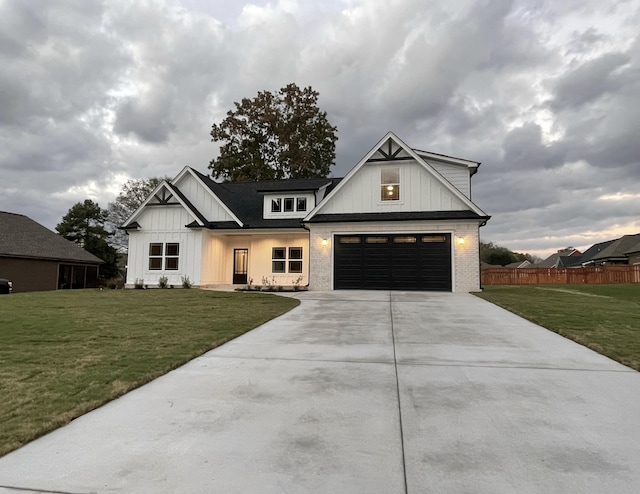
{"x": 275, "y": 136}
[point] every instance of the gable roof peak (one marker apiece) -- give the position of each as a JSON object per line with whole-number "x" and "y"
{"x": 384, "y": 151}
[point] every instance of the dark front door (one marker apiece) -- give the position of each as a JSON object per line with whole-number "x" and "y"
{"x": 240, "y": 266}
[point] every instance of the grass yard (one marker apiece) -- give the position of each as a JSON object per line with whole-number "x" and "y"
{"x": 65, "y": 353}
{"x": 605, "y": 318}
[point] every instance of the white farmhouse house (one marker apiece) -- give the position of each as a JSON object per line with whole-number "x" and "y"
{"x": 401, "y": 219}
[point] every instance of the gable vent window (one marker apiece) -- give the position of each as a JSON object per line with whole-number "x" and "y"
{"x": 164, "y": 256}
{"x": 390, "y": 184}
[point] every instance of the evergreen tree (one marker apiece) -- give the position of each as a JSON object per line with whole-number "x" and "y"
{"x": 84, "y": 225}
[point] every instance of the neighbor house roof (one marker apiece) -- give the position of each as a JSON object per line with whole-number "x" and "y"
{"x": 561, "y": 259}
{"x": 22, "y": 237}
{"x": 634, "y": 249}
{"x": 594, "y": 250}
{"x": 618, "y": 249}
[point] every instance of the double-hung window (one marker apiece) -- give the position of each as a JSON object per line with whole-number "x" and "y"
{"x": 164, "y": 256}
{"x": 390, "y": 184}
{"x": 279, "y": 260}
{"x": 295, "y": 259}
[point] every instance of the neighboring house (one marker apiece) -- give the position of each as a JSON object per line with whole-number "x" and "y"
{"x": 519, "y": 264}
{"x": 617, "y": 251}
{"x": 400, "y": 219}
{"x": 37, "y": 259}
{"x": 593, "y": 251}
{"x": 486, "y": 265}
{"x": 564, "y": 258}
{"x": 633, "y": 254}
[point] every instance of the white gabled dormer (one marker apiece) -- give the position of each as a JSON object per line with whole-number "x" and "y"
{"x": 287, "y": 205}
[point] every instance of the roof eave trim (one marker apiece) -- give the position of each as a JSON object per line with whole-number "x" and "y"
{"x": 194, "y": 174}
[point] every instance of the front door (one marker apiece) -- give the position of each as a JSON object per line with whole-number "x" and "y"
{"x": 240, "y": 266}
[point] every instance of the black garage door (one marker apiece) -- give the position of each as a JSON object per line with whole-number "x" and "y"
{"x": 415, "y": 261}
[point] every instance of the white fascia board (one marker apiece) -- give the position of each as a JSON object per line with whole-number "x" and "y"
{"x": 188, "y": 169}
{"x": 163, "y": 184}
{"x": 447, "y": 159}
{"x": 137, "y": 212}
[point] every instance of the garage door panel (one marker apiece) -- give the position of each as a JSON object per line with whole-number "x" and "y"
{"x": 396, "y": 262}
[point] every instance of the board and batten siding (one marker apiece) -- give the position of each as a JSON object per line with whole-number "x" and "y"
{"x": 202, "y": 199}
{"x": 164, "y": 224}
{"x": 217, "y": 257}
{"x": 457, "y": 175}
{"x": 419, "y": 191}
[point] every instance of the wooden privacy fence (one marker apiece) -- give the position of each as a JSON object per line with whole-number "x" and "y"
{"x": 598, "y": 275}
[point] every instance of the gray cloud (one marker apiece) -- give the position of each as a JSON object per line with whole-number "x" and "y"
{"x": 590, "y": 81}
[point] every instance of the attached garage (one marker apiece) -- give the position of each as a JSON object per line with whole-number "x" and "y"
{"x": 414, "y": 261}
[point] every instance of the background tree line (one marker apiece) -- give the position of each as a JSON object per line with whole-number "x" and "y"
{"x": 96, "y": 229}
{"x": 501, "y": 256}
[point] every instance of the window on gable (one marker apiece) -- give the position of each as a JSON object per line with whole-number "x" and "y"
{"x": 301, "y": 204}
{"x": 276, "y": 205}
{"x": 390, "y": 184}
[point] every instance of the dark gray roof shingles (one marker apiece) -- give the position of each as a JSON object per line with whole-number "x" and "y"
{"x": 245, "y": 199}
{"x": 20, "y": 236}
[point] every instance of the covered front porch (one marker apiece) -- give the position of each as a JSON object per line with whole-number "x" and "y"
{"x": 259, "y": 258}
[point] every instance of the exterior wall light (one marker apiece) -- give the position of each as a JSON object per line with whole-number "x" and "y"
{"x": 460, "y": 240}
{"x": 325, "y": 241}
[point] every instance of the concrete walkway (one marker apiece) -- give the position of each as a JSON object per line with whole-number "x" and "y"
{"x": 361, "y": 392}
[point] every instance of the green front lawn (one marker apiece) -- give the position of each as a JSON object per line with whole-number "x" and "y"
{"x": 67, "y": 352}
{"x": 605, "y": 318}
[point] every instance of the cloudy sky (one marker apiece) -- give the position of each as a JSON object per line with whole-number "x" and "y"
{"x": 545, "y": 93}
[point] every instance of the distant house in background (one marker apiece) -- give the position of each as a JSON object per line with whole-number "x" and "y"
{"x": 519, "y": 264}
{"x": 633, "y": 254}
{"x": 616, "y": 252}
{"x": 623, "y": 250}
{"x": 593, "y": 251}
{"x": 564, "y": 258}
{"x": 37, "y": 259}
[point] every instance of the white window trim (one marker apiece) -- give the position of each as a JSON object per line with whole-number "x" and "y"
{"x": 287, "y": 259}
{"x": 163, "y": 257}
{"x": 296, "y": 213}
{"x": 400, "y": 185}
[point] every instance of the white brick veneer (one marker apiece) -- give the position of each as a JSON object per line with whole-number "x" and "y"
{"x": 466, "y": 264}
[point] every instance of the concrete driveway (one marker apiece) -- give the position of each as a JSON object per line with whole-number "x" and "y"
{"x": 361, "y": 392}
